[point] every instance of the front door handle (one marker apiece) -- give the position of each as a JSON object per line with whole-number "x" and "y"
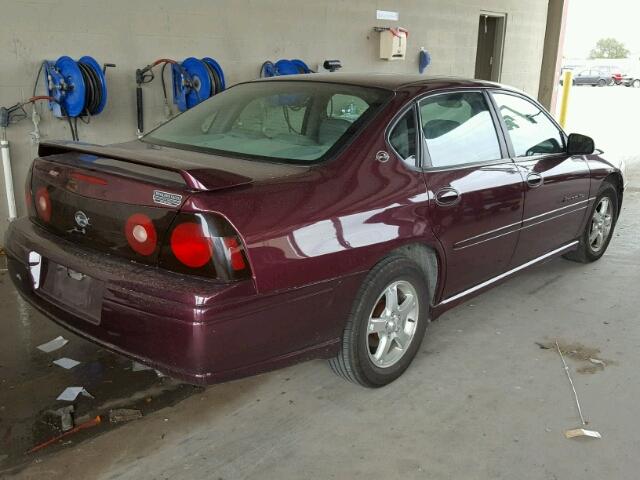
{"x": 534, "y": 180}
{"x": 447, "y": 196}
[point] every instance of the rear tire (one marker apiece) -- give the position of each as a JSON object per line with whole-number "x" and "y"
{"x": 599, "y": 228}
{"x": 366, "y": 358}
{"x": 636, "y": 83}
{"x": 602, "y": 82}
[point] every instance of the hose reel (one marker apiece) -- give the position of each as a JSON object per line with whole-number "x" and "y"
{"x": 284, "y": 67}
{"x": 193, "y": 81}
{"x": 78, "y": 88}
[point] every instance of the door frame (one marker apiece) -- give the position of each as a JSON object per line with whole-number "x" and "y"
{"x": 505, "y": 148}
{"x": 499, "y": 42}
{"x": 427, "y": 169}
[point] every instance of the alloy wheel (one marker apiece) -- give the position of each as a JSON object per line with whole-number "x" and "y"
{"x": 601, "y": 223}
{"x": 392, "y": 324}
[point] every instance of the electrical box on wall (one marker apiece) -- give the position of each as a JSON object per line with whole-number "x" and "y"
{"x": 393, "y": 43}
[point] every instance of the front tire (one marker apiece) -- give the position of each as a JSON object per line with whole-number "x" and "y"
{"x": 602, "y": 83}
{"x": 599, "y": 228}
{"x": 636, "y": 83}
{"x": 386, "y": 325}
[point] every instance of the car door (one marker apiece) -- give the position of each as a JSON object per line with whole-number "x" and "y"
{"x": 597, "y": 75}
{"x": 475, "y": 190}
{"x": 582, "y": 78}
{"x": 556, "y": 184}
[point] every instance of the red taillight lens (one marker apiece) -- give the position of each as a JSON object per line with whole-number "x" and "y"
{"x": 141, "y": 234}
{"x": 83, "y": 177}
{"x": 206, "y": 245}
{"x": 190, "y": 245}
{"x": 233, "y": 252}
{"x": 43, "y": 204}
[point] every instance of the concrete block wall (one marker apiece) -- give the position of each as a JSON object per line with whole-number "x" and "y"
{"x": 240, "y": 34}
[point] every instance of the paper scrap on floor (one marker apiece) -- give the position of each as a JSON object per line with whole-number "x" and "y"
{"x": 582, "y": 432}
{"x": 54, "y": 344}
{"x": 71, "y": 393}
{"x": 66, "y": 363}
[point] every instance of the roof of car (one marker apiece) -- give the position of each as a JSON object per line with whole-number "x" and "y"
{"x": 389, "y": 81}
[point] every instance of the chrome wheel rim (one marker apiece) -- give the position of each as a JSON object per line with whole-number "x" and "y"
{"x": 601, "y": 223}
{"x": 392, "y": 324}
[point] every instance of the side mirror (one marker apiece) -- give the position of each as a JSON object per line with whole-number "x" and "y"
{"x": 580, "y": 145}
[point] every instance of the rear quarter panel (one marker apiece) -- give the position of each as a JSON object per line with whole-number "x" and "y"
{"x": 336, "y": 219}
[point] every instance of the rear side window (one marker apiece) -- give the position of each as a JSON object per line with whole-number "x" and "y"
{"x": 530, "y": 129}
{"x": 458, "y": 129}
{"x": 403, "y": 138}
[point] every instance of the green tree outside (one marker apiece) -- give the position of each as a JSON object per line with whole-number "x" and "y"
{"x": 609, "y": 48}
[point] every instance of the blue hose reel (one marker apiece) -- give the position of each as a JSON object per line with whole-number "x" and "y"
{"x": 78, "y": 88}
{"x": 284, "y": 67}
{"x": 195, "y": 80}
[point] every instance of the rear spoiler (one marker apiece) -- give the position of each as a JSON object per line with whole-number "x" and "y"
{"x": 196, "y": 176}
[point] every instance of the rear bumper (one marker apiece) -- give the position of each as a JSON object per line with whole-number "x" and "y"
{"x": 195, "y": 330}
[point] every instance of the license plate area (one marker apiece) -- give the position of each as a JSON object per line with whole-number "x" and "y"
{"x": 73, "y": 291}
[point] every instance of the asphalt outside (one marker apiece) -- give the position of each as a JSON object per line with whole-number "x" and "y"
{"x": 485, "y": 398}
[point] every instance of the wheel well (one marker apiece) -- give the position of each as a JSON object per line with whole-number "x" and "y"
{"x": 427, "y": 259}
{"x": 615, "y": 179}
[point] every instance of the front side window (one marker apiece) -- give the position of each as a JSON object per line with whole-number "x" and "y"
{"x": 293, "y": 121}
{"x": 403, "y": 138}
{"x": 458, "y": 129}
{"x": 530, "y": 130}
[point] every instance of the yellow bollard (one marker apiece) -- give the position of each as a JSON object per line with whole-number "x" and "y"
{"x": 567, "y": 82}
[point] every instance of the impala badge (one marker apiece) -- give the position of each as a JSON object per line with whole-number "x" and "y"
{"x": 382, "y": 156}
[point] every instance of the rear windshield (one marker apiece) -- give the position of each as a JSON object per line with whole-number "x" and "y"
{"x": 293, "y": 121}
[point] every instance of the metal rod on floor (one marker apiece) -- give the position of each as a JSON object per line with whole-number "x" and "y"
{"x": 575, "y": 394}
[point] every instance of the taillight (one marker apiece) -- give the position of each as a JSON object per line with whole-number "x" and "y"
{"x": 141, "y": 234}
{"x": 92, "y": 179}
{"x": 43, "y": 204}
{"x": 190, "y": 245}
{"x": 28, "y": 195}
{"x": 234, "y": 253}
{"x": 204, "y": 245}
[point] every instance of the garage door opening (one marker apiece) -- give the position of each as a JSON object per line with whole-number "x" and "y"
{"x": 491, "y": 28}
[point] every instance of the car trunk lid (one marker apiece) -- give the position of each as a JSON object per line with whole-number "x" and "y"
{"x": 93, "y": 192}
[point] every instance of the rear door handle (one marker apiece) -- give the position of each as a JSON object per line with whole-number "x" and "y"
{"x": 447, "y": 196}
{"x": 534, "y": 179}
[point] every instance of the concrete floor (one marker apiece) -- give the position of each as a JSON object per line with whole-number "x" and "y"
{"x": 481, "y": 400}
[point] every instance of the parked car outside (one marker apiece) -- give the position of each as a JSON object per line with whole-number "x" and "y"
{"x": 631, "y": 81}
{"x": 315, "y": 216}
{"x": 618, "y": 78}
{"x": 591, "y": 76}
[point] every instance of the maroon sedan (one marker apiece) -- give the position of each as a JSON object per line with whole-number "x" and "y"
{"x": 320, "y": 216}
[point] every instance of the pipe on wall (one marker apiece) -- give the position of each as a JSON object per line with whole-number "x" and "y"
{"x": 8, "y": 178}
